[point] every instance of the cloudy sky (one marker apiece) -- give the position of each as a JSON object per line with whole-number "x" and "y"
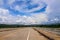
{"x": 29, "y": 11}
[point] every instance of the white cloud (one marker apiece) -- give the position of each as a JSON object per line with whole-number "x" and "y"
{"x": 4, "y": 11}
{"x": 1, "y": 2}
{"x": 52, "y": 12}
{"x": 34, "y": 19}
{"x": 55, "y": 19}
{"x": 53, "y": 6}
{"x": 10, "y": 2}
{"x": 3, "y": 14}
{"x": 40, "y": 18}
{"x": 7, "y": 18}
{"x": 23, "y": 7}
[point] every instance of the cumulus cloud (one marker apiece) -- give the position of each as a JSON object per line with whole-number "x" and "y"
{"x": 7, "y": 18}
{"x": 1, "y": 2}
{"x": 34, "y": 19}
{"x": 51, "y": 11}
{"x": 10, "y": 2}
{"x": 24, "y": 6}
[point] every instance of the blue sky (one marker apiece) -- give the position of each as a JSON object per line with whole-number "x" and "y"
{"x": 29, "y": 11}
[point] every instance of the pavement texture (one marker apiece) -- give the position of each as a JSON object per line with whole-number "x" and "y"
{"x": 24, "y": 34}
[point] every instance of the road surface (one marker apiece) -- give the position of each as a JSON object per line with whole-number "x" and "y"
{"x": 22, "y": 34}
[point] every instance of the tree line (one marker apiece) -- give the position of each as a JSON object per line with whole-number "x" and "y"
{"x": 17, "y": 26}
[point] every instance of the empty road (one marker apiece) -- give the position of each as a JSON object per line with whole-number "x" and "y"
{"x": 22, "y": 34}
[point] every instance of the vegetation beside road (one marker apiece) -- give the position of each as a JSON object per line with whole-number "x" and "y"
{"x": 16, "y": 26}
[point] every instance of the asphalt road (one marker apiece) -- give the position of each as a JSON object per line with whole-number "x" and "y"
{"x": 27, "y": 34}
{"x": 21, "y": 34}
